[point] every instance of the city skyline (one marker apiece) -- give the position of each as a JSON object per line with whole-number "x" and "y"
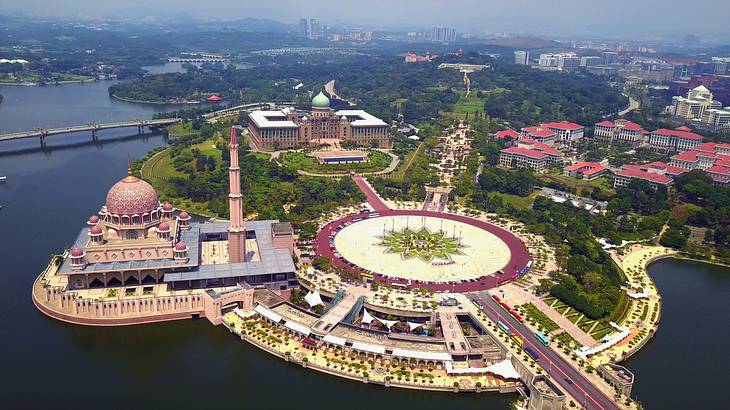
{"x": 650, "y": 19}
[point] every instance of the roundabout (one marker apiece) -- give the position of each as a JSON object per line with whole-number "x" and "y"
{"x": 423, "y": 249}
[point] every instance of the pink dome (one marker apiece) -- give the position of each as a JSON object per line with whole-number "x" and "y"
{"x": 167, "y": 207}
{"x": 163, "y": 227}
{"x": 95, "y": 230}
{"x": 131, "y": 196}
{"x": 180, "y": 246}
{"x": 93, "y": 219}
{"x": 77, "y": 252}
{"x": 184, "y": 215}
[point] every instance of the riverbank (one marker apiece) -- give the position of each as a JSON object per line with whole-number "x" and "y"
{"x": 173, "y": 102}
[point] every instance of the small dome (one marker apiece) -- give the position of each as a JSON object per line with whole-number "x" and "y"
{"x": 181, "y": 246}
{"x": 95, "y": 230}
{"x": 320, "y": 101}
{"x": 184, "y": 216}
{"x": 163, "y": 227}
{"x": 167, "y": 207}
{"x": 93, "y": 219}
{"x": 304, "y": 118}
{"x": 131, "y": 196}
{"x": 343, "y": 118}
{"x": 77, "y": 252}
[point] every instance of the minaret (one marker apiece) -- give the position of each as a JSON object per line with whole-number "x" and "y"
{"x": 236, "y": 232}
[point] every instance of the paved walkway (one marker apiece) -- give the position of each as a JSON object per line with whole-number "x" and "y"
{"x": 393, "y": 163}
{"x": 372, "y": 197}
{"x": 516, "y": 295}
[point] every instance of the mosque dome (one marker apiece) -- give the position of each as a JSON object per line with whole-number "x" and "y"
{"x": 163, "y": 227}
{"x": 181, "y": 247}
{"x": 95, "y": 230}
{"x": 77, "y": 252}
{"x": 320, "y": 101}
{"x": 131, "y": 196}
{"x": 184, "y": 216}
{"x": 93, "y": 219}
{"x": 167, "y": 207}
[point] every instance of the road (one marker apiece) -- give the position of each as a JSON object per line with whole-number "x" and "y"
{"x": 633, "y": 105}
{"x": 588, "y": 395}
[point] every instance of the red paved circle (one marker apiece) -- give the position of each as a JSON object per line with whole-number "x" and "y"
{"x": 519, "y": 257}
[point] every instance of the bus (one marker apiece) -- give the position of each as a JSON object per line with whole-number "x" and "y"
{"x": 532, "y": 353}
{"x": 542, "y": 338}
{"x": 357, "y": 219}
{"x": 517, "y": 339}
{"x": 504, "y": 327}
{"x": 516, "y": 316}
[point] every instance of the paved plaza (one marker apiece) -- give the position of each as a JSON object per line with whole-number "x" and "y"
{"x": 481, "y": 252}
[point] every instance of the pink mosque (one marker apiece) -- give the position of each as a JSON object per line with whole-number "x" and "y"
{"x": 153, "y": 254}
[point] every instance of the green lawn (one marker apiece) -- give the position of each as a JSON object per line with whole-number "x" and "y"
{"x": 182, "y": 128}
{"x": 400, "y": 170}
{"x": 301, "y": 161}
{"x": 578, "y": 184}
{"x": 468, "y": 104}
{"x": 519, "y": 202}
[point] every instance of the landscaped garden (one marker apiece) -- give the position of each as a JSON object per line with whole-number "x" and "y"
{"x": 300, "y": 161}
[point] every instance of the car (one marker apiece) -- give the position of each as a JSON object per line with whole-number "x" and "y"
{"x": 567, "y": 380}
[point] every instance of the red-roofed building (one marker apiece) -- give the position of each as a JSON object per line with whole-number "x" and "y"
{"x": 539, "y": 134}
{"x": 214, "y": 98}
{"x": 674, "y": 140}
{"x": 656, "y": 173}
{"x": 528, "y": 153}
{"x": 621, "y": 131}
{"x": 711, "y": 157}
{"x": 586, "y": 170}
{"x": 567, "y": 132}
{"x": 719, "y": 174}
{"x": 507, "y": 133}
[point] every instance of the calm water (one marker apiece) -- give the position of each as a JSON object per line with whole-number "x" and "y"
{"x": 183, "y": 364}
{"x": 171, "y": 67}
{"x": 191, "y": 363}
{"x": 683, "y": 366}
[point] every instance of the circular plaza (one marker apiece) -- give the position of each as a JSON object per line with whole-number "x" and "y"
{"x": 437, "y": 251}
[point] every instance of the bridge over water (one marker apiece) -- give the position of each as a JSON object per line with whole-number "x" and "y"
{"x": 42, "y": 133}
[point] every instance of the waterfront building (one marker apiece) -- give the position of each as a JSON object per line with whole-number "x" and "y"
{"x": 137, "y": 246}
{"x": 287, "y": 128}
{"x": 676, "y": 140}
{"x": 621, "y": 131}
{"x": 656, "y": 173}
{"x": 531, "y": 154}
{"x": 586, "y": 170}
{"x": 566, "y": 132}
{"x": 618, "y": 376}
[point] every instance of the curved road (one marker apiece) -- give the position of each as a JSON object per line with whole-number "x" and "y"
{"x": 588, "y": 395}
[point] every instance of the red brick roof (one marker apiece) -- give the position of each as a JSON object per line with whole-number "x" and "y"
{"x": 635, "y": 171}
{"x": 719, "y": 169}
{"x": 538, "y": 132}
{"x": 587, "y": 168}
{"x": 678, "y": 134}
{"x": 606, "y": 124}
{"x": 525, "y": 152}
{"x": 529, "y": 143}
{"x": 507, "y": 133}
{"x": 563, "y": 125}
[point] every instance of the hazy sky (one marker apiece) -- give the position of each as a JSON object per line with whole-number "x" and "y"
{"x": 633, "y": 17}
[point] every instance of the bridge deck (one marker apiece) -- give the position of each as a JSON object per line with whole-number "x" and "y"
{"x": 44, "y": 132}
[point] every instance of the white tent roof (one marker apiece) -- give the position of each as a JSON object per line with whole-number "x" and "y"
{"x": 313, "y": 298}
{"x": 297, "y": 327}
{"x": 339, "y": 341}
{"x": 367, "y": 347}
{"x": 504, "y": 369}
{"x": 243, "y": 314}
{"x": 387, "y": 323}
{"x": 418, "y": 354}
{"x": 367, "y": 317}
{"x": 267, "y": 313}
{"x": 412, "y": 325}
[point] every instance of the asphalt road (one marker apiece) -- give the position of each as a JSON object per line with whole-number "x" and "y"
{"x": 582, "y": 389}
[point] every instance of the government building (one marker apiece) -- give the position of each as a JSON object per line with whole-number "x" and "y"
{"x": 288, "y": 128}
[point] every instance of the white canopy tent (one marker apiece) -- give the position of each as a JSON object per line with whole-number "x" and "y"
{"x": 502, "y": 369}
{"x": 421, "y": 355}
{"x": 367, "y": 318}
{"x": 243, "y": 314}
{"x": 339, "y": 341}
{"x": 268, "y": 313}
{"x": 313, "y": 299}
{"x": 367, "y": 347}
{"x": 297, "y": 327}
{"x": 413, "y": 326}
{"x": 387, "y": 323}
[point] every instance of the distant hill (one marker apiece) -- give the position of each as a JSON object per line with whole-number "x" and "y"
{"x": 524, "y": 42}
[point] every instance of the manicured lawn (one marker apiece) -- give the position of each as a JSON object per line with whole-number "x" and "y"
{"x": 536, "y": 315}
{"x": 400, "y": 170}
{"x": 182, "y": 128}
{"x": 301, "y": 161}
{"x": 469, "y": 104}
{"x": 579, "y": 184}
{"x": 519, "y": 202}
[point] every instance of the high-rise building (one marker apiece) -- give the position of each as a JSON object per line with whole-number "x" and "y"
{"x": 442, "y": 34}
{"x": 609, "y": 57}
{"x": 522, "y": 57}
{"x": 303, "y": 27}
{"x": 569, "y": 63}
{"x": 590, "y": 61}
{"x": 314, "y": 29}
{"x": 236, "y": 231}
